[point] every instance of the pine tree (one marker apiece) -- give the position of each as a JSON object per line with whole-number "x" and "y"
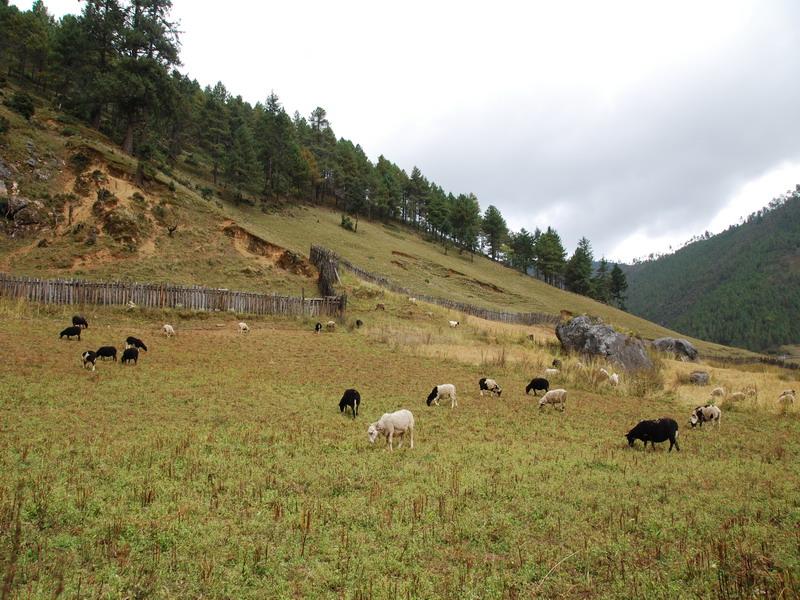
{"x": 494, "y": 229}
{"x": 550, "y": 255}
{"x": 618, "y": 285}
{"x": 601, "y": 283}
{"x": 578, "y": 273}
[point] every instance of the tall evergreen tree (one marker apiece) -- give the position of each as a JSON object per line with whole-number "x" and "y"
{"x": 494, "y": 229}
{"x": 618, "y": 286}
{"x": 601, "y": 283}
{"x": 465, "y": 221}
{"x": 550, "y": 255}
{"x": 578, "y": 272}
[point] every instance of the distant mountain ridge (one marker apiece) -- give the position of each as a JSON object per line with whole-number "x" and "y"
{"x": 740, "y": 287}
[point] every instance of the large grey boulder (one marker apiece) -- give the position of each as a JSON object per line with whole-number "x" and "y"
{"x": 592, "y": 337}
{"x": 680, "y": 348}
{"x": 26, "y": 212}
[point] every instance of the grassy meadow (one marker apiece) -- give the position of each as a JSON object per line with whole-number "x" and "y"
{"x": 220, "y": 467}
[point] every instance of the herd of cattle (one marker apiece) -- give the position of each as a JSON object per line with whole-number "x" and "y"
{"x": 401, "y": 422}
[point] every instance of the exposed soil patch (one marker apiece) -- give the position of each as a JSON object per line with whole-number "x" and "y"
{"x": 403, "y": 254}
{"x": 400, "y": 264}
{"x": 250, "y": 245}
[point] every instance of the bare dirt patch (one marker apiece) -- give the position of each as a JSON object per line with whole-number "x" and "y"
{"x": 250, "y": 245}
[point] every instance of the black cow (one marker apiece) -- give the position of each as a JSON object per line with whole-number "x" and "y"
{"x": 80, "y": 321}
{"x": 71, "y": 332}
{"x": 130, "y": 355}
{"x": 656, "y": 431}
{"x": 352, "y": 399}
{"x": 135, "y": 343}
{"x": 537, "y": 383}
{"x": 107, "y": 352}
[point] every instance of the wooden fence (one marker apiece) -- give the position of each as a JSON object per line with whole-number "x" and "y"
{"x": 150, "y": 295}
{"x": 531, "y": 318}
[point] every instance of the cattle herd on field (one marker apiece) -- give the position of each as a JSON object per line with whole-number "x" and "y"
{"x": 401, "y": 422}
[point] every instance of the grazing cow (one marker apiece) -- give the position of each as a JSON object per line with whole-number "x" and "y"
{"x": 489, "y": 385}
{"x": 80, "y": 321}
{"x": 453, "y": 323}
{"x": 71, "y": 332}
{"x": 537, "y": 383}
{"x": 89, "y": 357}
{"x": 132, "y": 342}
{"x": 393, "y": 424}
{"x": 558, "y": 398}
{"x": 443, "y": 392}
{"x": 318, "y": 327}
{"x": 107, "y": 352}
{"x": 703, "y": 414}
{"x": 243, "y": 328}
{"x": 352, "y": 399}
{"x": 168, "y": 330}
{"x": 658, "y": 430}
{"x": 130, "y": 355}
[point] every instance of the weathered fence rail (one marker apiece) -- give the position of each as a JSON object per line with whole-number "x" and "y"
{"x": 532, "y": 318}
{"x": 154, "y": 295}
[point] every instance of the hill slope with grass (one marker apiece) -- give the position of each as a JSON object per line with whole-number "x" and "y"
{"x": 77, "y": 206}
{"x": 740, "y": 287}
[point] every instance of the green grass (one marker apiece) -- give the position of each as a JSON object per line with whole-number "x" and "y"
{"x": 221, "y": 467}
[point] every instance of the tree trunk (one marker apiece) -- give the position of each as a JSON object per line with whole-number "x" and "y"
{"x": 127, "y": 143}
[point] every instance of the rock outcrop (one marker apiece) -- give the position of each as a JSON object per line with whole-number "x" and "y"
{"x": 680, "y": 348}
{"x": 592, "y": 337}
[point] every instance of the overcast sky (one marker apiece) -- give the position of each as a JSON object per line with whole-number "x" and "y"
{"x": 635, "y": 124}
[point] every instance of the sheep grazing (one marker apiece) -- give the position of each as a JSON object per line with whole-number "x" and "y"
{"x": 788, "y": 393}
{"x": 556, "y": 364}
{"x": 604, "y": 373}
{"x": 786, "y": 399}
{"x": 412, "y": 300}
{"x": 168, "y": 330}
{"x": 704, "y": 414}
{"x": 489, "y": 385}
{"x": 107, "y": 352}
{"x": 718, "y": 392}
{"x": 71, "y": 332}
{"x": 655, "y": 431}
{"x": 393, "y": 424}
{"x": 558, "y": 398}
{"x": 736, "y": 397}
{"x": 317, "y": 327}
{"x": 352, "y": 399}
{"x": 443, "y": 392}
{"x": 243, "y": 328}
{"x": 537, "y": 383}
{"x": 330, "y": 326}
{"x": 130, "y": 355}
{"x": 551, "y": 372}
{"x": 80, "y": 321}
{"x": 132, "y": 342}
{"x": 613, "y": 379}
{"x": 89, "y": 357}
{"x": 359, "y": 323}
{"x": 453, "y": 323}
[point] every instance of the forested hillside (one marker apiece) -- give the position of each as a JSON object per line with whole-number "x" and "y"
{"x": 740, "y": 288}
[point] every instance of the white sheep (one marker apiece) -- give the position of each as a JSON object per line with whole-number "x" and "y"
{"x": 703, "y": 414}
{"x": 550, "y": 372}
{"x": 786, "y": 399}
{"x": 168, "y": 330}
{"x": 788, "y": 393}
{"x": 718, "y": 392}
{"x": 453, "y": 323}
{"x": 557, "y": 398}
{"x": 613, "y": 379}
{"x": 243, "y": 328}
{"x": 412, "y": 300}
{"x": 330, "y": 326}
{"x": 443, "y": 392}
{"x": 390, "y": 424}
{"x": 489, "y": 385}
{"x": 604, "y": 373}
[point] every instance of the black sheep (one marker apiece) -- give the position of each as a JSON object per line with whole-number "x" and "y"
{"x": 537, "y": 383}
{"x": 135, "y": 343}
{"x": 130, "y": 355}
{"x": 656, "y": 431}
{"x": 71, "y": 332}
{"x": 359, "y": 323}
{"x": 352, "y": 399}
{"x": 80, "y": 321}
{"x": 89, "y": 357}
{"x": 107, "y": 352}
